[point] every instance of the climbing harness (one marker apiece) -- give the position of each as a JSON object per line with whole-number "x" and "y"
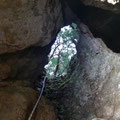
{"x": 35, "y": 106}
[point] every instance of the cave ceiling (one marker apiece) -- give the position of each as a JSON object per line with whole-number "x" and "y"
{"x": 103, "y": 19}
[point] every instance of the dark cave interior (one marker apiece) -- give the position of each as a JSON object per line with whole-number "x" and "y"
{"x": 102, "y": 23}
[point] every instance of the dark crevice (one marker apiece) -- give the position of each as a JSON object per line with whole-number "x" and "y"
{"x": 104, "y": 24}
{"x": 28, "y": 63}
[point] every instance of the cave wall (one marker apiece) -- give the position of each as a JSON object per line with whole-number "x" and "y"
{"x": 27, "y": 28}
{"x": 93, "y": 92}
{"x": 24, "y": 23}
{"x": 17, "y": 100}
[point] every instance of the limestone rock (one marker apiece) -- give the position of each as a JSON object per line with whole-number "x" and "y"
{"x": 26, "y": 29}
{"x": 45, "y": 111}
{"x": 4, "y": 71}
{"x": 94, "y": 86}
{"x": 17, "y": 101}
{"x": 25, "y": 64}
{"x": 24, "y": 23}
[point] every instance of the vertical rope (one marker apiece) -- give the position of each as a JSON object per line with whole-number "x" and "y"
{"x": 35, "y": 106}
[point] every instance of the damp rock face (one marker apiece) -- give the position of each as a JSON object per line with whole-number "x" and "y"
{"x": 17, "y": 101}
{"x": 93, "y": 92}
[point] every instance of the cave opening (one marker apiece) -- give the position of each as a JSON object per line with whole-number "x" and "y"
{"x": 58, "y": 70}
{"x": 111, "y": 1}
{"x": 63, "y": 49}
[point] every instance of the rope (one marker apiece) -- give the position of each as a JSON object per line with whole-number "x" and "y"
{"x": 35, "y": 106}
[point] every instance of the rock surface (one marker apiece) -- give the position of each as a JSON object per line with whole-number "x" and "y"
{"x": 26, "y": 64}
{"x": 27, "y": 28}
{"x": 24, "y": 23}
{"x": 93, "y": 92}
{"x": 27, "y": 31}
{"x": 4, "y": 71}
{"x": 17, "y": 100}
